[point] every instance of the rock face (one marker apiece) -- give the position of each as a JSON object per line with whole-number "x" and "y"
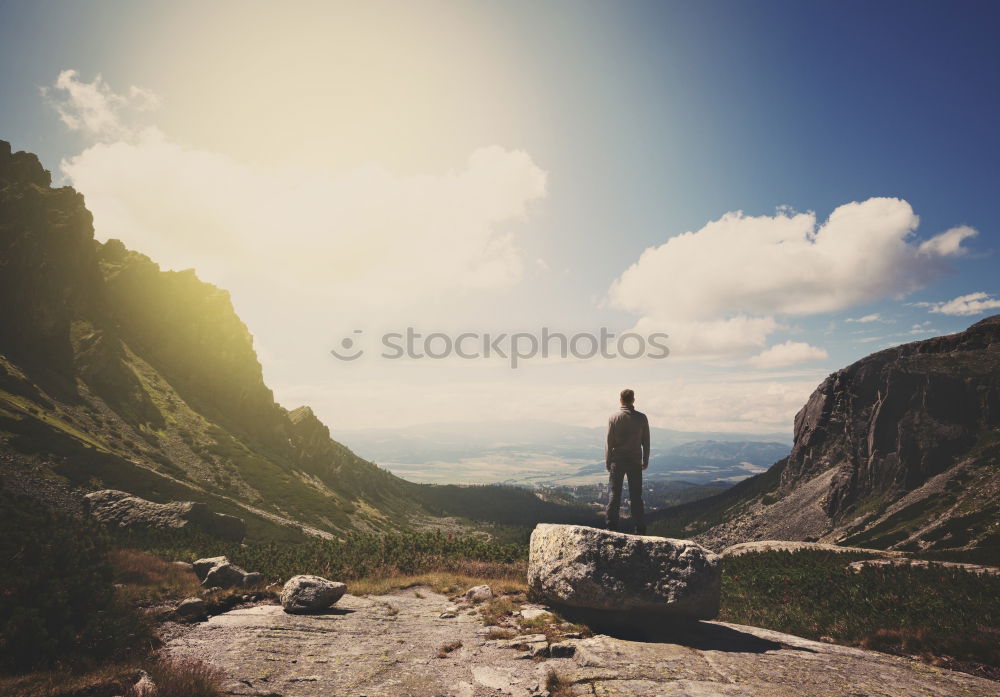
{"x": 896, "y": 451}
{"x": 124, "y": 510}
{"x": 306, "y": 593}
{"x": 893, "y": 420}
{"x": 581, "y": 567}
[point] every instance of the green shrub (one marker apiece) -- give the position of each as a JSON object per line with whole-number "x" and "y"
{"x": 356, "y": 556}
{"x": 58, "y": 600}
{"x": 933, "y": 612}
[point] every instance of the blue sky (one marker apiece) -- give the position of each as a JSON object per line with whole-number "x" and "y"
{"x": 603, "y": 130}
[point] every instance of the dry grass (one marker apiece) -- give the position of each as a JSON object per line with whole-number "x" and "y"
{"x": 181, "y": 678}
{"x": 496, "y": 610}
{"x": 554, "y": 627}
{"x": 173, "y": 678}
{"x": 446, "y": 649}
{"x": 499, "y": 633}
{"x": 558, "y": 686}
{"x": 146, "y": 578}
{"x": 446, "y": 582}
{"x": 60, "y": 683}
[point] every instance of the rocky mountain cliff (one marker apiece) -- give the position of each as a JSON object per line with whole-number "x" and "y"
{"x": 115, "y": 374}
{"x": 899, "y": 450}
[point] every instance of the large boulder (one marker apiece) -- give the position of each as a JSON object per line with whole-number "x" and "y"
{"x": 307, "y": 593}
{"x": 127, "y": 511}
{"x": 574, "y": 566}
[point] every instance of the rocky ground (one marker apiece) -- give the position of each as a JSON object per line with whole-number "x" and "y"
{"x": 417, "y": 643}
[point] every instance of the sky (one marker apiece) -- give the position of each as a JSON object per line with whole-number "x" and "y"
{"x": 781, "y": 188}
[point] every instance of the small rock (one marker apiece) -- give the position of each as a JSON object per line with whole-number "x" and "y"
{"x": 447, "y": 615}
{"x": 539, "y": 650}
{"x": 183, "y": 565}
{"x": 203, "y": 566}
{"x": 192, "y": 608}
{"x": 224, "y": 575}
{"x": 532, "y": 613}
{"x": 253, "y": 578}
{"x": 479, "y": 594}
{"x": 307, "y": 593}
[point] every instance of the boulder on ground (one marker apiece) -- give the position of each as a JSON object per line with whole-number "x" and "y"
{"x": 580, "y": 567}
{"x": 479, "y": 594}
{"x": 127, "y": 511}
{"x": 253, "y": 578}
{"x": 192, "y": 608}
{"x": 225, "y": 575}
{"x": 307, "y": 593}
{"x": 203, "y": 566}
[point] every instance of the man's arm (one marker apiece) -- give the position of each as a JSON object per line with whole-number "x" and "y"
{"x": 645, "y": 443}
{"x": 609, "y": 445}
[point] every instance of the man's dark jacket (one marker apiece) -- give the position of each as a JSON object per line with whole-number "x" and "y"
{"x": 628, "y": 438}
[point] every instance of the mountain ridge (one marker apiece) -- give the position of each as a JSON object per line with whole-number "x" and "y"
{"x": 117, "y": 374}
{"x": 899, "y": 450}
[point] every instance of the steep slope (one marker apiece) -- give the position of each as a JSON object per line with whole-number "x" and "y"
{"x": 899, "y": 450}
{"x": 117, "y": 374}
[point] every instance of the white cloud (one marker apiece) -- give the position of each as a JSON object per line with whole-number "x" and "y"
{"x": 371, "y": 236}
{"x": 788, "y": 353}
{"x": 948, "y": 243}
{"x": 708, "y": 339}
{"x": 94, "y": 108}
{"x": 757, "y": 268}
{"x": 711, "y": 404}
{"x": 368, "y": 239}
{"x": 963, "y": 305}
{"x": 874, "y": 317}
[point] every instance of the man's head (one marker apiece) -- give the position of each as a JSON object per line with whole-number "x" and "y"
{"x": 627, "y": 397}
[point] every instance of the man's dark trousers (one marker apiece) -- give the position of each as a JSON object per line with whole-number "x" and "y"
{"x": 616, "y": 478}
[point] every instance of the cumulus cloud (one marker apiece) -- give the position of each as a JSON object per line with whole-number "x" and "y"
{"x": 758, "y": 267}
{"x": 964, "y": 305}
{"x": 874, "y": 317}
{"x": 94, "y": 108}
{"x": 787, "y": 354}
{"x": 948, "y": 243}
{"x": 370, "y": 235}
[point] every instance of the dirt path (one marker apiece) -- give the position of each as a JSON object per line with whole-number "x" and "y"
{"x": 388, "y": 646}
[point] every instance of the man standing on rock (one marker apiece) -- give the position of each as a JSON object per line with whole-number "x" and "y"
{"x": 626, "y": 454}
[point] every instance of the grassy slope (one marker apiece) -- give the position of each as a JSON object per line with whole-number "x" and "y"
{"x": 690, "y": 519}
